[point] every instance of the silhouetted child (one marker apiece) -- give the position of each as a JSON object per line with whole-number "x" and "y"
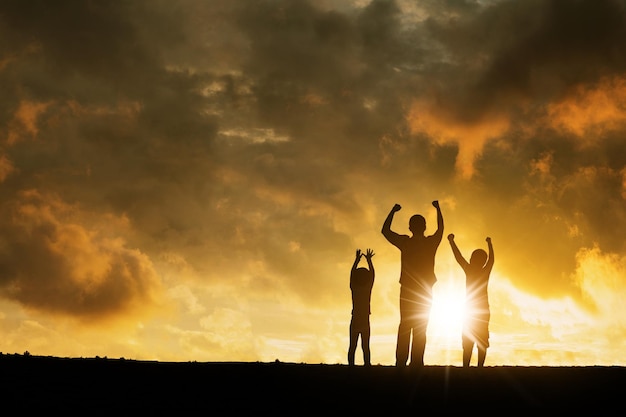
{"x": 361, "y": 283}
{"x": 477, "y": 313}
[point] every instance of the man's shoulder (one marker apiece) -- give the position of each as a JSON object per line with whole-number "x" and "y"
{"x": 398, "y": 240}
{"x": 435, "y": 237}
{"x": 402, "y": 239}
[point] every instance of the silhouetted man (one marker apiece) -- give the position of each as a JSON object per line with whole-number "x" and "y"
{"x": 417, "y": 277}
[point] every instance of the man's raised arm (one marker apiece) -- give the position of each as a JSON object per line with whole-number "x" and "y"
{"x": 439, "y": 232}
{"x": 386, "y": 230}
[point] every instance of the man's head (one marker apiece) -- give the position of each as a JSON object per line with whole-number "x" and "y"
{"x": 417, "y": 224}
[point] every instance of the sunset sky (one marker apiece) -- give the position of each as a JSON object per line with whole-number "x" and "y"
{"x": 187, "y": 180}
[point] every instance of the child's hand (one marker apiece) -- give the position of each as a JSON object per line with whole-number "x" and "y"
{"x": 396, "y": 207}
{"x": 358, "y": 253}
{"x": 451, "y": 237}
{"x": 488, "y": 240}
{"x": 436, "y": 204}
{"x": 369, "y": 254}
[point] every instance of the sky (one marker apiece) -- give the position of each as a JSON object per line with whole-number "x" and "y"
{"x": 187, "y": 180}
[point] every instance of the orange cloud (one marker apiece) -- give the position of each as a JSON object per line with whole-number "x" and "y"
{"x": 6, "y": 167}
{"x": 591, "y": 110}
{"x": 442, "y": 127}
{"x": 25, "y": 120}
{"x": 53, "y": 259}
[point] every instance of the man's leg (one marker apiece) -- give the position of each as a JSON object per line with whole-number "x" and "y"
{"x": 418, "y": 348}
{"x": 420, "y": 316}
{"x": 402, "y": 345}
{"x": 404, "y": 329}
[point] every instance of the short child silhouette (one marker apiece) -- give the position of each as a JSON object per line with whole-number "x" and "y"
{"x": 477, "y": 313}
{"x": 361, "y": 283}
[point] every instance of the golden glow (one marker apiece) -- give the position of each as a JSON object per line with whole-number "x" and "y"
{"x": 447, "y": 312}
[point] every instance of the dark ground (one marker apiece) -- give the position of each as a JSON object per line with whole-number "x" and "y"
{"x": 97, "y": 386}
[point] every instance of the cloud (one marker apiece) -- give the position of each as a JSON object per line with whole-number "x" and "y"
{"x": 561, "y": 329}
{"x": 599, "y": 276}
{"x": 25, "y": 122}
{"x": 52, "y": 262}
{"x": 430, "y": 119}
{"x": 507, "y": 66}
{"x": 591, "y": 111}
{"x": 229, "y": 152}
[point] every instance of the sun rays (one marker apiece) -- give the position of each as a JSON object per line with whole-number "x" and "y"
{"x": 447, "y": 312}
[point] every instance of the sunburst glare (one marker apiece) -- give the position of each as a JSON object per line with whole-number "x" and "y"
{"x": 446, "y": 318}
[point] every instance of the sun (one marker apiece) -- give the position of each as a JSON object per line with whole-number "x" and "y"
{"x": 447, "y": 311}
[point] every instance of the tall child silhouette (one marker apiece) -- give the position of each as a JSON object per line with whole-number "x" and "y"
{"x": 361, "y": 283}
{"x": 417, "y": 277}
{"x": 477, "y": 313}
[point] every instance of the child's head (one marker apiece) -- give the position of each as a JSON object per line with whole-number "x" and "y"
{"x": 478, "y": 258}
{"x": 361, "y": 272}
{"x": 417, "y": 224}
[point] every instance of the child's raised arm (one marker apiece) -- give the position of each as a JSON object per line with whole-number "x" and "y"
{"x": 356, "y": 260}
{"x": 457, "y": 253}
{"x": 368, "y": 256}
{"x": 491, "y": 259}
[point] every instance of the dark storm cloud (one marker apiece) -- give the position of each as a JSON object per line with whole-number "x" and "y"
{"x": 535, "y": 53}
{"x": 512, "y": 61}
{"x": 338, "y": 86}
{"x": 113, "y": 105}
{"x": 92, "y": 114}
{"x": 79, "y": 48}
{"x": 512, "y": 52}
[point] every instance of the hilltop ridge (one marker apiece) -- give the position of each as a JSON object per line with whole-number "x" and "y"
{"x": 102, "y": 385}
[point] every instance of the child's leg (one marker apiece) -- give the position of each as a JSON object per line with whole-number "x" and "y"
{"x": 365, "y": 344}
{"x": 354, "y": 336}
{"x": 468, "y": 346}
{"x": 482, "y": 354}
